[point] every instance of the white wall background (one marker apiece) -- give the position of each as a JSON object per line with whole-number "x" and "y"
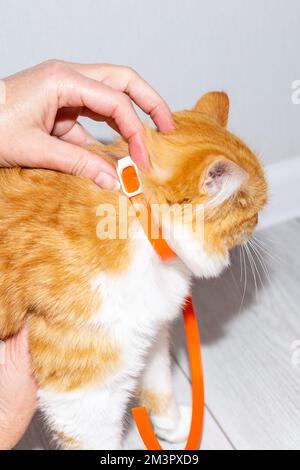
{"x": 250, "y": 48}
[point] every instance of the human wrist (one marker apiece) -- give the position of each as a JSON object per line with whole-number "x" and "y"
{"x": 7, "y": 438}
{"x": 13, "y": 425}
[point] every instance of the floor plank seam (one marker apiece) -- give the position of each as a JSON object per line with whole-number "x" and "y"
{"x": 206, "y": 406}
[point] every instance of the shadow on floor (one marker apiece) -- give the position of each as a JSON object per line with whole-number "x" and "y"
{"x": 36, "y": 437}
{"x": 219, "y": 301}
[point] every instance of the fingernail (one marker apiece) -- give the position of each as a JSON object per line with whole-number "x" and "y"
{"x": 105, "y": 181}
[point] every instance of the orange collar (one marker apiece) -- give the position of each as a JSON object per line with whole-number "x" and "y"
{"x": 132, "y": 186}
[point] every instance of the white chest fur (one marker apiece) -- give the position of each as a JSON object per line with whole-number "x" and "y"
{"x": 135, "y": 305}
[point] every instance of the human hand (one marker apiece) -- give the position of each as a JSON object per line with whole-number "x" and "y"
{"x": 38, "y": 120}
{"x": 17, "y": 390}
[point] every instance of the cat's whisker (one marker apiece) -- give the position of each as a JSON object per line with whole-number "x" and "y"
{"x": 252, "y": 268}
{"x": 265, "y": 249}
{"x": 263, "y": 264}
{"x": 241, "y": 268}
{"x": 234, "y": 278}
{"x": 260, "y": 258}
{"x": 260, "y": 244}
{"x": 245, "y": 277}
{"x": 256, "y": 254}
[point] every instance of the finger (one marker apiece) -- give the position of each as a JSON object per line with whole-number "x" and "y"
{"x": 141, "y": 92}
{"x": 67, "y": 117}
{"x": 150, "y": 102}
{"x": 76, "y": 135}
{"x": 52, "y": 153}
{"x": 65, "y": 120}
{"x": 103, "y": 100}
{"x": 97, "y": 117}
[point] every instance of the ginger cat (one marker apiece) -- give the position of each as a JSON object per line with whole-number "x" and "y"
{"x": 99, "y": 310}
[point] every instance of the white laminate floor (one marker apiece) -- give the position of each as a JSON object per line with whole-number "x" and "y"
{"x": 251, "y": 375}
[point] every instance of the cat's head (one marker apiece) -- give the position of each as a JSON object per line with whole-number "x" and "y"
{"x": 201, "y": 163}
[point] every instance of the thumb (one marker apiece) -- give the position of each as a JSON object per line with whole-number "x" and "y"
{"x": 55, "y": 154}
{"x": 16, "y": 350}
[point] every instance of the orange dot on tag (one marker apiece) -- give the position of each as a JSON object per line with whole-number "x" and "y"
{"x": 130, "y": 179}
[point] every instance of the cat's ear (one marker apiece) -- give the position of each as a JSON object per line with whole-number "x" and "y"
{"x": 216, "y": 105}
{"x": 221, "y": 180}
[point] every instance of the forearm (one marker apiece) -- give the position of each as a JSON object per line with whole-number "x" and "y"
{"x": 17, "y": 391}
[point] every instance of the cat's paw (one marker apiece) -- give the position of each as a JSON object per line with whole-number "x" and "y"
{"x": 174, "y": 431}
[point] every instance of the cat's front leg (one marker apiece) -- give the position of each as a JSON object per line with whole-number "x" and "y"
{"x": 88, "y": 419}
{"x": 171, "y": 421}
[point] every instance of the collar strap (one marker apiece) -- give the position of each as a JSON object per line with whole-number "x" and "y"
{"x": 131, "y": 185}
